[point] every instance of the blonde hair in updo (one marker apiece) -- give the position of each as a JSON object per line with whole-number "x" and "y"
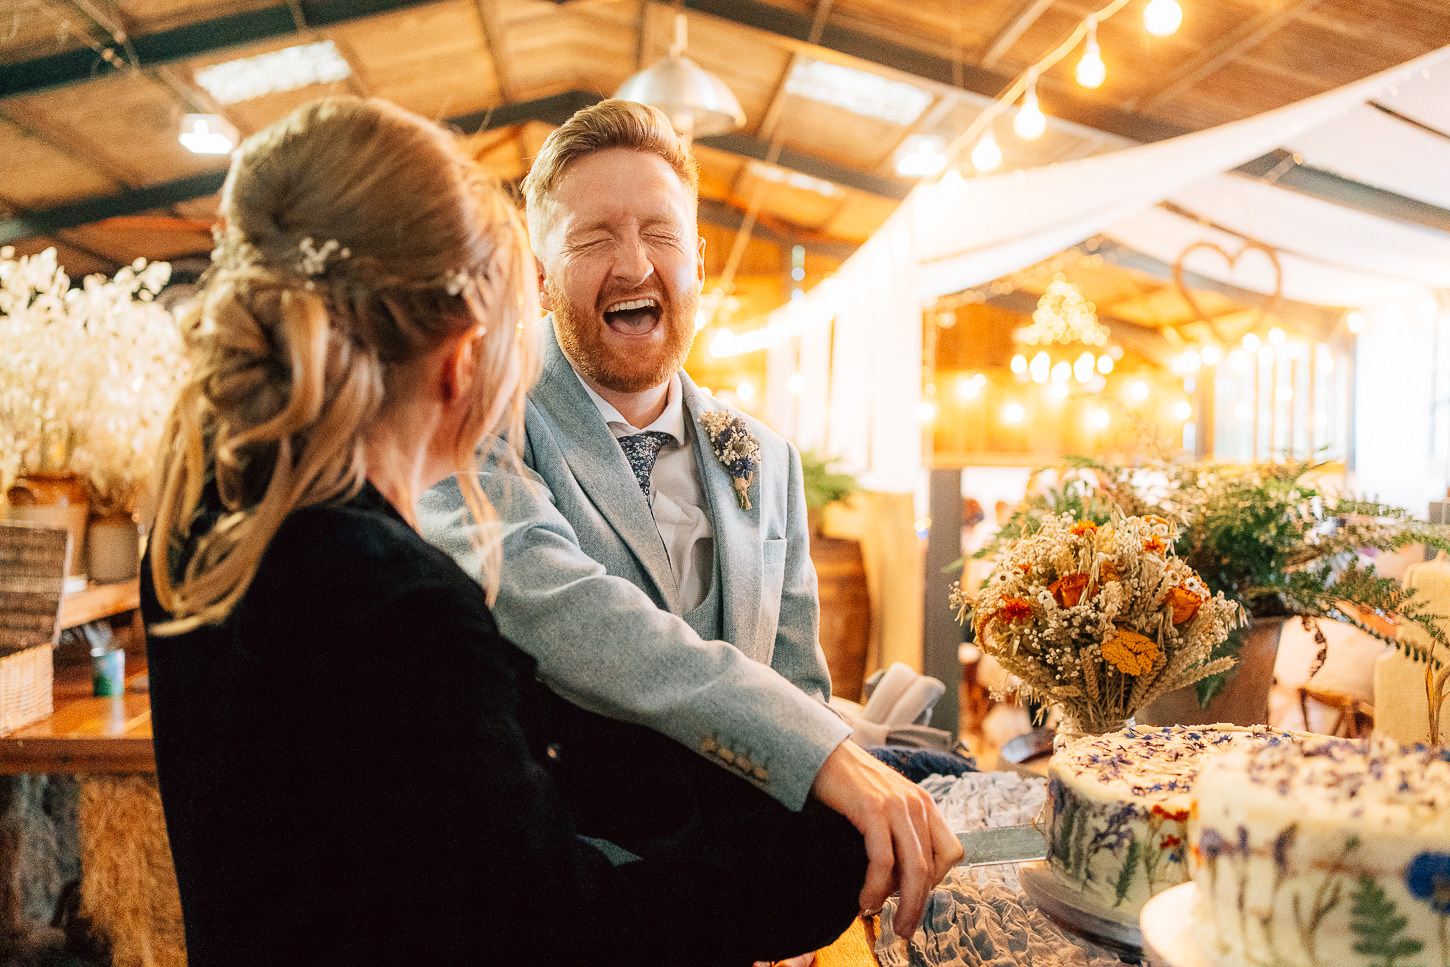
{"x": 295, "y": 358}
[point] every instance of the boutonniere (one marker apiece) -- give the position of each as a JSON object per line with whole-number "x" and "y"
{"x": 737, "y": 451}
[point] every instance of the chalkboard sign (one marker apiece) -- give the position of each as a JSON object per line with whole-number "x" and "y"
{"x": 32, "y": 578}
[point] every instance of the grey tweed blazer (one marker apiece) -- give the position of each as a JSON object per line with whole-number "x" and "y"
{"x": 584, "y": 589}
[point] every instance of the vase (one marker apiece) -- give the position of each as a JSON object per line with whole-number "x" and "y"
{"x": 1072, "y": 727}
{"x": 113, "y": 546}
{"x": 53, "y": 500}
{"x": 1244, "y": 699}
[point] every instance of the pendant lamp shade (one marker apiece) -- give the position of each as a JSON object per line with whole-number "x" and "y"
{"x": 697, "y": 102}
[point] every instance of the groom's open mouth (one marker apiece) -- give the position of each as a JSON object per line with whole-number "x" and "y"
{"x": 633, "y": 317}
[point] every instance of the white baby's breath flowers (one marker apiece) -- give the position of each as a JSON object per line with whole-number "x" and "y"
{"x": 88, "y": 375}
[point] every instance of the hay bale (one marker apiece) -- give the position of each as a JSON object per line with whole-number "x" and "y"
{"x": 39, "y": 856}
{"x": 128, "y": 883}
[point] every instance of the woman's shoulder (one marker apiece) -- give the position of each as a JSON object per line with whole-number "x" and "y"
{"x": 359, "y": 554}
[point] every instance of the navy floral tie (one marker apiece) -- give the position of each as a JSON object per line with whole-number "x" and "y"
{"x": 641, "y": 449}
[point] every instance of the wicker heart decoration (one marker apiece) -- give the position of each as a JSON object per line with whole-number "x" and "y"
{"x": 1265, "y": 308}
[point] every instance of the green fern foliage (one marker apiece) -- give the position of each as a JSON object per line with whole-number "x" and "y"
{"x": 1130, "y": 870}
{"x": 1377, "y": 926}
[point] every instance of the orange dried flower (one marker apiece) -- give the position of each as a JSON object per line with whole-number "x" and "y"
{"x": 1185, "y": 603}
{"x": 1154, "y": 545}
{"x": 1015, "y": 609}
{"x": 1068, "y": 591}
{"x": 1083, "y": 527}
{"x": 1130, "y": 652}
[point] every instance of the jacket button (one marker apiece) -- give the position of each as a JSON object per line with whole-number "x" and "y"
{"x": 552, "y": 751}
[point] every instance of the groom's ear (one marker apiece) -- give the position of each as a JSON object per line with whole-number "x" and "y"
{"x": 545, "y": 302}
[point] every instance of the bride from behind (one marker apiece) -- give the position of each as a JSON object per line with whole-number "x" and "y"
{"x": 346, "y": 748}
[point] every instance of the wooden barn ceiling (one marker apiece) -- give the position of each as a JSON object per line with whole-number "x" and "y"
{"x": 92, "y": 92}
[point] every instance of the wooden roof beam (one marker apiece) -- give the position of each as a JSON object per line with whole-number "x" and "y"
{"x": 192, "y": 40}
{"x": 930, "y": 67}
{"x": 551, "y": 110}
{"x": 1284, "y": 170}
{"x": 1025, "y": 16}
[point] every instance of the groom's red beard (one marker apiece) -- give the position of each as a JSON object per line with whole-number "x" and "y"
{"x": 580, "y": 337}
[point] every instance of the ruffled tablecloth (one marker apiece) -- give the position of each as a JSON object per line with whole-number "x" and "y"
{"x": 979, "y": 917}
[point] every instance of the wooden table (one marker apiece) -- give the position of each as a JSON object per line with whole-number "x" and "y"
{"x": 86, "y": 734}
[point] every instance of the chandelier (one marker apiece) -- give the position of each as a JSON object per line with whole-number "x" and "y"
{"x": 1064, "y": 317}
{"x": 1064, "y": 325}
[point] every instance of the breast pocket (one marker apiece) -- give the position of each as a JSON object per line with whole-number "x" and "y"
{"x": 772, "y": 582}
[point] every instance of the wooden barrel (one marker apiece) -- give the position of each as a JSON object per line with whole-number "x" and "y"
{"x": 845, "y": 612}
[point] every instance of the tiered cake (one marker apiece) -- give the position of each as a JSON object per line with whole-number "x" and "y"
{"x": 1324, "y": 853}
{"x": 1118, "y": 810}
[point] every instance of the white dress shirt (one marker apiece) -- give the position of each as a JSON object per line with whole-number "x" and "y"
{"x": 676, "y": 496}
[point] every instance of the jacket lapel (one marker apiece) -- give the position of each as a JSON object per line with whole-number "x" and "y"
{"x": 737, "y": 531}
{"x": 597, "y": 463}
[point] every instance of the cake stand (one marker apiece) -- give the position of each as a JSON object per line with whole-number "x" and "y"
{"x": 1068, "y": 909}
{"x": 1167, "y": 921}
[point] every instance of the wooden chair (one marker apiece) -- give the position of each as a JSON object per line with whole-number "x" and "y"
{"x": 1355, "y": 718}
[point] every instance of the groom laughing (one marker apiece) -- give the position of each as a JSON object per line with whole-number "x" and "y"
{"x": 664, "y": 584}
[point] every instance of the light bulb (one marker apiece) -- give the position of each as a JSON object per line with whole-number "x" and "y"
{"x": 207, "y": 134}
{"x": 1040, "y": 366}
{"x": 921, "y": 156}
{"x": 1091, "y": 71}
{"x": 986, "y": 156}
{"x": 1030, "y": 122}
{"x": 1162, "y": 17}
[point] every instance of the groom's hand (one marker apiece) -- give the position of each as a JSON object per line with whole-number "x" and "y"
{"x": 908, "y": 845}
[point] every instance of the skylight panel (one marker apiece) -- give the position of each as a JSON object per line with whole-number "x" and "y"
{"x": 794, "y": 179}
{"x": 278, "y": 70}
{"x": 857, "y": 91}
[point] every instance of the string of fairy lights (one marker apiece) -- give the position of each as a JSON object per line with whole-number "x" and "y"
{"x": 1161, "y": 18}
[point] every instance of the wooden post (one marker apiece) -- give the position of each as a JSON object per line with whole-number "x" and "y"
{"x": 942, "y": 636}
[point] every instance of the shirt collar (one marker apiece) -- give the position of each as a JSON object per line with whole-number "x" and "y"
{"x": 671, "y": 421}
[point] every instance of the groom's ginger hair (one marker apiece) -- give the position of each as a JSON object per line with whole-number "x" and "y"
{"x": 599, "y": 127}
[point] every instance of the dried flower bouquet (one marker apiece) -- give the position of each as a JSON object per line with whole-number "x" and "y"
{"x": 1099, "y": 620}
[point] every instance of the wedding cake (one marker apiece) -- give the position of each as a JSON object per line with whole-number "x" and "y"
{"x": 1323, "y": 853}
{"x": 1118, "y": 809}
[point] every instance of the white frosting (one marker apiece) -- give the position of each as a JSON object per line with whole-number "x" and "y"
{"x": 1324, "y": 853}
{"x": 1118, "y": 810}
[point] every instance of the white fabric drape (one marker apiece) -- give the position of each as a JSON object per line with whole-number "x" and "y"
{"x": 946, "y": 238}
